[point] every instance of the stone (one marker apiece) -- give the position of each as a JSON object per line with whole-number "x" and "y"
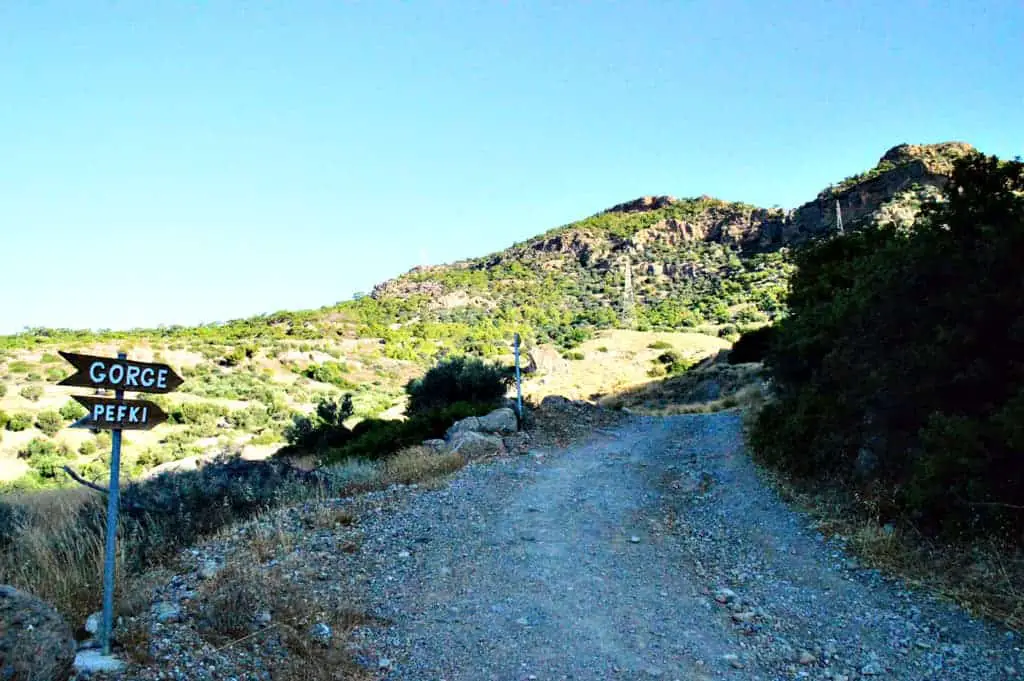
{"x": 263, "y": 618}
{"x": 500, "y": 421}
{"x": 555, "y": 402}
{"x": 383, "y": 663}
{"x": 872, "y": 669}
{"x": 733, "y": 660}
{"x": 470, "y": 424}
{"x": 166, "y": 612}
{"x": 806, "y": 657}
{"x": 94, "y": 661}
{"x": 436, "y": 444}
{"x": 725, "y": 595}
{"x": 634, "y": 539}
{"x": 35, "y": 641}
{"x": 208, "y": 570}
{"x": 321, "y": 633}
{"x": 473, "y": 445}
{"x": 93, "y": 623}
{"x": 745, "y": 616}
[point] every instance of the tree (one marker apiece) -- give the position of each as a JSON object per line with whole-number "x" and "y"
{"x": 902, "y": 359}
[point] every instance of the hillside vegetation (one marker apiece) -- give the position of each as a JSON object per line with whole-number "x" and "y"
{"x": 672, "y": 270}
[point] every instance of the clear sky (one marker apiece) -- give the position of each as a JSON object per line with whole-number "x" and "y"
{"x": 185, "y": 162}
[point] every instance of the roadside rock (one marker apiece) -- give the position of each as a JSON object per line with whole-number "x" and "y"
{"x": 501, "y": 421}
{"x": 474, "y": 445}
{"x": 35, "y": 641}
{"x": 469, "y": 424}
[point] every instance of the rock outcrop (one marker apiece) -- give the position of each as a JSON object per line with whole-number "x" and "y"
{"x": 35, "y": 641}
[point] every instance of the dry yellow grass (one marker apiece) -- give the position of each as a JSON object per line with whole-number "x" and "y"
{"x": 616, "y": 361}
{"x": 416, "y": 464}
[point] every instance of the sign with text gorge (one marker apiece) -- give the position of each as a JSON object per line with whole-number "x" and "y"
{"x": 111, "y": 414}
{"x": 120, "y": 374}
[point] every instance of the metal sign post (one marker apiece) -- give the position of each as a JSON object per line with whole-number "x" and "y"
{"x": 109, "y": 554}
{"x": 116, "y": 415}
{"x": 519, "y": 382}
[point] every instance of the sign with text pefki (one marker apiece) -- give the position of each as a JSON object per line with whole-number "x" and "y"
{"x": 110, "y": 414}
{"x": 119, "y": 374}
{"x": 112, "y": 373}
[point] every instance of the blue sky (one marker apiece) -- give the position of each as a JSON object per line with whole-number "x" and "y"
{"x": 190, "y": 162}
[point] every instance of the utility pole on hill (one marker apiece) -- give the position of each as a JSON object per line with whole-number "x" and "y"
{"x": 628, "y": 300}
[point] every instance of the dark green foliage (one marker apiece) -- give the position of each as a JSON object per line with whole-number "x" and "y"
{"x": 4, "y": 418}
{"x": 50, "y": 422}
{"x": 3, "y": 389}
{"x": 660, "y": 345}
{"x": 19, "y": 367}
{"x": 174, "y": 509}
{"x": 197, "y": 413}
{"x": 19, "y": 421}
{"x": 45, "y": 456}
{"x": 72, "y": 411}
{"x": 458, "y": 379}
{"x": 902, "y": 359}
{"x": 377, "y": 438}
{"x": 87, "y": 448}
{"x": 325, "y": 429}
{"x": 55, "y": 374}
{"x": 752, "y": 346}
{"x": 330, "y": 372}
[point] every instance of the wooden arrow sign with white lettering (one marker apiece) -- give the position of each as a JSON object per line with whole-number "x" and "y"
{"x": 120, "y": 374}
{"x": 111, "y": 414}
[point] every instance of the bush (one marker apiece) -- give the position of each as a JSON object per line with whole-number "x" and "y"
{"x": 50, "y": 422}
{"x": 752, "y": 346}
{"x": 458, "y": 379}
{"x": 901, "y": 362}
{"x": 4, "y": 418}
{"x": 72, "y": 411}
{"x": 660, "y": 345}
{"x": 87, "y": 448}
{"x": 19, "y": 421}
{"x": 45, "y": 456}
{"x": 31, "y": 392}
{"x": 3, "y": 389}
{"x": 324, "y": 429}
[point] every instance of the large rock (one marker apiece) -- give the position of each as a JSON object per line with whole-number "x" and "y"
{"x": 501, "y": 421}
{"x": 472, "y": 445}
{"x": 470, "y": 424}
{"x": 35, "y": 641}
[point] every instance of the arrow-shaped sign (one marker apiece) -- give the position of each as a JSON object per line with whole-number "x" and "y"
{"x": 111, "y": 414}
{"x": 120, "y": 374}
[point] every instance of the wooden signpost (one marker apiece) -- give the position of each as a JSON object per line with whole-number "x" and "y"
{"x": 118, "y": 374}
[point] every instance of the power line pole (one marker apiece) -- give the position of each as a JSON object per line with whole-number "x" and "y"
{"x": 628, "y": 299}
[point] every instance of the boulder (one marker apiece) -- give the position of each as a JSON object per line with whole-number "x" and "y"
{"x": 555, "y": 402}
{"x": 502, "y": 421}
{"x": 438, "y": 446}
{"x": 473, "y": 445}
{"x": 470, "y": 424}
{"x": 35, "y": 641}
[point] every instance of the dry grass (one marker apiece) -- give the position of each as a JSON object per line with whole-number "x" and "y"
{"x": 227, "y": 604}
{"x": 986, "y": 576}
{"x": 417, "y": 464}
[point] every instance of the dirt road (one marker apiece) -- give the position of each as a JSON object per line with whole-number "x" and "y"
{"x": 650, "y": 551}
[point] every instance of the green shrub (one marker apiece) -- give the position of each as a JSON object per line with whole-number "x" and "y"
{"x": 458, "y": 379}
{"x": 19, "y": 421}
{"x": 50, "y": 422}
{"x": 72, "y": 411}
{"x": 329, "y": 372}
{"x": 31, "y": 392}
{"x": 901, "y": 361}
{"x": 3, "y": 389}
{"x": 324, "y": 429}
{"x": 198, "y": 413}
{"x": 752, "y": 346}
{"x": 19, "y": 367}
{"x": 660, "y": 345}
{"x": 55, "y": 374}
{"x": 87, "y": 448}
{"x": 45, "y": 456}
{"x": 4, "y": 418}
{"x": 50, "y": 358}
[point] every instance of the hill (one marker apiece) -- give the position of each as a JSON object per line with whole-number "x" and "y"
{"x": 653, "y": 266}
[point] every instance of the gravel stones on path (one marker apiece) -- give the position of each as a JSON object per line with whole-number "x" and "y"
{"x": 650, "y": 551}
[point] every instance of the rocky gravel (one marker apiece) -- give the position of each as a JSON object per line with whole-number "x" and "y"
{"x": 652, "y": 550}
{"x": 649, "y": 549}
